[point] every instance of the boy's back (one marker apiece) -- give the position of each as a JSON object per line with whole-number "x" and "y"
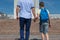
{"x": 44, "y": 15}
{"x": 44, "y": 21}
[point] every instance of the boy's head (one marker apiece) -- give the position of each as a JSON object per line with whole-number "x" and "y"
{"x": 41, "y": 4}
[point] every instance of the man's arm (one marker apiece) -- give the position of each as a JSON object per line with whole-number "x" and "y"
{"x": 17, "y": 11}
{"x": 33, "y": 11}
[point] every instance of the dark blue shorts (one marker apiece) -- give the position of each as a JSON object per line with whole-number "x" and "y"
{"x": 44, "y": 27}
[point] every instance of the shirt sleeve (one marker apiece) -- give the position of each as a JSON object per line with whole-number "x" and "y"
{"x": 19, "y": 3}
{"x": 48, "y": 11}
{"x": 39, "y": 11}
{"x": 32, "y": 4}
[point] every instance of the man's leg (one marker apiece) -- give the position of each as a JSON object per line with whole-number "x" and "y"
{"x": 21, "y": 28}
{"x": 28, "y": 23}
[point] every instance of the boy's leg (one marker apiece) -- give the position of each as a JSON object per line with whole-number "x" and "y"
{"x": 47, "y": 36}
{"x": 28, "y": 23}
{"x": 46, "y": 30}
{"x": 42, "y": 35}
{"x": 21, "y": 20}
{"x": 42, "y": 31}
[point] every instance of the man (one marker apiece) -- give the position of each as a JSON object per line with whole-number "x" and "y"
{"x": 24, "y": 8}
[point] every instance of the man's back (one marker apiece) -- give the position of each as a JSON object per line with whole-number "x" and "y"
{"x": 25, "y": 6}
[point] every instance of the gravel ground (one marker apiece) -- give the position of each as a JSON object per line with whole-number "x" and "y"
{"x": 9, "y": 30}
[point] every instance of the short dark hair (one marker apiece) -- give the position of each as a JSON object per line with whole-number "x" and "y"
{"x": 41, "y": 4}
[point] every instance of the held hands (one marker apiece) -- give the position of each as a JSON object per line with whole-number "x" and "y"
{"x": 35, "y": 18}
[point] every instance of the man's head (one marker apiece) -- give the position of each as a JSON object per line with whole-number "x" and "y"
{"x": 41, "y": 4}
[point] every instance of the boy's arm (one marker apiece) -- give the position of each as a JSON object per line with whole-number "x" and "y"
{"x": 38, "y": 14}
{"x": 49, "y": 20}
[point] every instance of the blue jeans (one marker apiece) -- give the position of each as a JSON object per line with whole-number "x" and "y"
{"x": 27, "y": 23}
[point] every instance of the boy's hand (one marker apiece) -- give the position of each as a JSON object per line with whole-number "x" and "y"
{"x": 50, "y": 25}
{"x": 35, "y": 19}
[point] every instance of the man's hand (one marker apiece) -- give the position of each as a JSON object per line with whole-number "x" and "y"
{"x": 17, "y": 18}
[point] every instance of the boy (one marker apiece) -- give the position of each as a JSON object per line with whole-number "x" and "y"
{"x": 44, "y": 21}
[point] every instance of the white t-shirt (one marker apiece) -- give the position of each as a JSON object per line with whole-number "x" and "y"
{"x": 25, "y": 8}
{"x": 40, "y": 11}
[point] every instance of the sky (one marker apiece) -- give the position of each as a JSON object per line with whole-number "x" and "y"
{"x": 52, "y": 5}
{"x": 7, "y": 6}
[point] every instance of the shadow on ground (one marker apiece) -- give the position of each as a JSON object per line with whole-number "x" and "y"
{"x": 36, "y": 39}
{"x": 30, "y": 39}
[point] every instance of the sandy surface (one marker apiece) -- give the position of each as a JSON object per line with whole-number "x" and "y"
{"x": 11, "y": 27}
